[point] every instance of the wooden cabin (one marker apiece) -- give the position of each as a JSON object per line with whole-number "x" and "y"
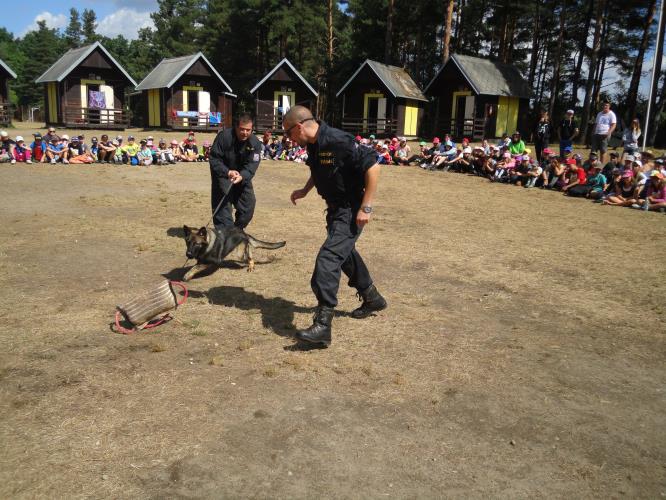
{"x": 85, "y": 88}
{"x": 382, "y": 100}
{"x": 185, "y": 93}
{"x": 282, "y": 88}
{"x": 6, "y": 109}
{"x": 477, "y": 98}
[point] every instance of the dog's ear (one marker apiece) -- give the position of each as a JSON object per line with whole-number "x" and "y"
{"x": 187, "y": 230}
{"x": 203, "y": 232}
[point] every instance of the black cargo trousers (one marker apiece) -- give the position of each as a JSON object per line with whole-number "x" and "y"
{"x": 338, "y": 253}
{"x": 241, "y": 198}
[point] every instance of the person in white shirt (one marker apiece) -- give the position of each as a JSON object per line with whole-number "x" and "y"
{"x": 604, "y": 126}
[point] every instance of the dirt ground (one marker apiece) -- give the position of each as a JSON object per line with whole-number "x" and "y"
{"x": 522, "y": 354}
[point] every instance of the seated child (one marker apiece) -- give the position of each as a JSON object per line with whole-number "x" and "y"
{"x": 37, "y": 147}
{"x": 21, "y": 151}
{"x": 176, "y": 151}
{"x": 190, "y": 151}
{"x": 77, "y": 152}
{"x": 54, "y": 150}
{"x": 623, "y": 193}
{"x": 118, "y": 157}
{"x": 94, "y": 148}
{"x": 105, "y": 149}
{"x": 205, "y": 151}
{"x": 164, "y": 154}
{"x": 145, "y": 154}
{"x": 533, "y": 174}
{"x": 131, "y": 150}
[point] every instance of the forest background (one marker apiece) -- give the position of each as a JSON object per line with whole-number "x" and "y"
{"x": 574, "y": 53}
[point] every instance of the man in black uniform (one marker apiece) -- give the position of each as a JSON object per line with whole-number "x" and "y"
{"x": 234, "y": 159}
{"x": 345, "y": 175}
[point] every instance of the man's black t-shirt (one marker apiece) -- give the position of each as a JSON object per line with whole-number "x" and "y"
{"x": 338, "y": 165}
{"x": 567, "y": 129}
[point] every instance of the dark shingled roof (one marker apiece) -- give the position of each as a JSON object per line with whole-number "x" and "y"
{"x": 277, "y": 66}
{"x": 7, "y": 69}
{"x": 396, "y": 80}
{"x": 168, "y": 71}
{"x": 488, "y": 77}
{"x": 72, "y": 58}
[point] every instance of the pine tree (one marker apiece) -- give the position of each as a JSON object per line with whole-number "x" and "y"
{"x": 89, "y": 29}
{"x": 73, "y": 30}
{"x": 41, "y": 48}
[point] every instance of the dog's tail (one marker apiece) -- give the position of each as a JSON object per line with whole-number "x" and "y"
{"x": 255, "y": 243}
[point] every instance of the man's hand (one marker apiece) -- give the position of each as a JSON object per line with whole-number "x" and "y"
{"x": 298, "y": 194}
{"x": 362, "y": 218}
{"x": 234, "y": 176}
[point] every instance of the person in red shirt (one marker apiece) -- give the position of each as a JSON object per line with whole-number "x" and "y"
{"x": 576, "y": 175}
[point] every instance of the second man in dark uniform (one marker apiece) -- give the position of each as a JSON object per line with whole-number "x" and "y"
{"x": 345, "y": 175}
{"x": 234, "y": 159}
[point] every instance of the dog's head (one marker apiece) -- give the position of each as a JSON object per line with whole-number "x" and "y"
{"x": 196, "y": 241}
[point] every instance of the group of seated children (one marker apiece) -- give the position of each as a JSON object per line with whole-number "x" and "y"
{"x": 53, "y": 148}
{"x": 274, "y": 148}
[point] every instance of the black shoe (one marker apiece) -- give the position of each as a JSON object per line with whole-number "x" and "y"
{"x": 320, "y": 330}
{"x": 372, "y": 302}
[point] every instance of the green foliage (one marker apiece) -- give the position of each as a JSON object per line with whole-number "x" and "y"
{"x": 243, "y": 39}
{"x": 73, "y": 34}
{"x": 89, "y": 27}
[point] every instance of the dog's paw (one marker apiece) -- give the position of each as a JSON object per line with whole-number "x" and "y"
{"x": 250, "y": 266}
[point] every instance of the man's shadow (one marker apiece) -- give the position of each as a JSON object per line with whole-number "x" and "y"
{"x": 277, "y": 314}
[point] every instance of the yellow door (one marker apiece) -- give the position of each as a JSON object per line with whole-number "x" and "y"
{"x": 154, "y": 108}
{"x": 512, "y": 115}
{"x": 502, "y": 113}
{"x": 507, "y": 115}
{"x": 53, "y": 102}
{"x": 411, "y": 120}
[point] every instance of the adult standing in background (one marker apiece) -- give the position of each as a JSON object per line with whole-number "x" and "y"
{"x": 567, "y": 131}
{"x": 604, "y": 125}
{"x": 542, "y": 133}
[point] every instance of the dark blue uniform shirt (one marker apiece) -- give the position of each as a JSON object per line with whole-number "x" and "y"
{"x": 338, "y": 165}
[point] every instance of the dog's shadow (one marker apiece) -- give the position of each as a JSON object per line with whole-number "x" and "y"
{"x": 277, "y": 313}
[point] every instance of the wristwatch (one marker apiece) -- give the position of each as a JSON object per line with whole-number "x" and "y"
{"x": 367, "y": 209}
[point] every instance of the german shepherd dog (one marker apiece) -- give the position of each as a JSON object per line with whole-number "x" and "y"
{"x": 210, "y": 247}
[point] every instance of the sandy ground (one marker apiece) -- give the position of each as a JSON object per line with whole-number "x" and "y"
{"x": 521, "y": 356}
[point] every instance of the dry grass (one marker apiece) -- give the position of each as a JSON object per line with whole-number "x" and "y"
{"x": 511, "y": 318}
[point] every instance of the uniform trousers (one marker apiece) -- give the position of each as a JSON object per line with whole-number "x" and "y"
{"x": 241, "y": 197}
{"x": 338, "y": 253}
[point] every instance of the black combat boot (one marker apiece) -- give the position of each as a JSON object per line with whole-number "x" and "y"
{"x": 320, "y": 330}
{"x": 372, "y": 301}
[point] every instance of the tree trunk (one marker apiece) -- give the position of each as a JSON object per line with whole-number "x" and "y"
{"x": 504, "y": 33}
{"x": 459, "y": 11}
{"x": 582, "y": 49}
{"x": 632, "y": 93}
{"x": 598, "y": 26}
{"x": 389, "y": 33}
{"x": 601, "y": 64}
{"x": 447, "y": 30}
{"x": 658, "y": 110}
{"x": 659, "y": 53}
{"x": 542, "y": 76}
{"x": 555, "y": 82}
{"x": 535, "y": 42}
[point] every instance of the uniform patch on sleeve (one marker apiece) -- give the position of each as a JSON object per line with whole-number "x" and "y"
{"x": 255, "y": 157}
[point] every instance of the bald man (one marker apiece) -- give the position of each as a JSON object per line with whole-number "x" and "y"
{"x": 345, "y": 175}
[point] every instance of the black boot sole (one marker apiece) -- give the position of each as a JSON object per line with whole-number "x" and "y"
{"x": 369, "y": 313}
{"x": 323, "y": 343}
